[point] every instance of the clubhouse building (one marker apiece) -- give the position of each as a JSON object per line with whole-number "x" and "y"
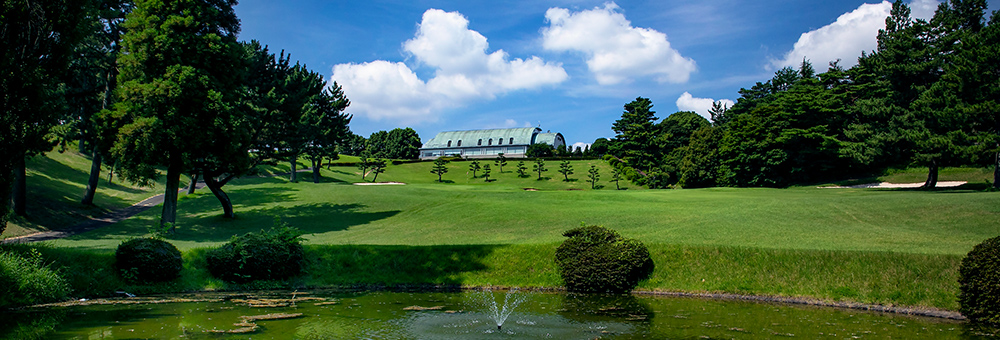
{"x": 512, "y": 143}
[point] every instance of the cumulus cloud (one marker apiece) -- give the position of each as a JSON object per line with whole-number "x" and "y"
{"x": 463, "y": 71}
{"x": 581, "y": 145}
{"x": 846, "y": 38}
{"x": 616, "y": 51}
{"x": 701, "y": 106}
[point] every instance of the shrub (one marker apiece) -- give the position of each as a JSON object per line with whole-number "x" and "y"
{"x": 25, "y": 280}
{"x": 596, "y": 259}
{"x": 979, "y": 283}
{"x": 267, "y": 255}
{"x": 148, "y": 260}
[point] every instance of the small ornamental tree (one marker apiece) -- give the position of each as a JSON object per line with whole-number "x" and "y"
{"x": 594, "y": 176}
{"x": 378, "y": 166}
{"x": 440, "y": 168}
{"x": 539, "y": 167}
{"x": 615, "y": 177}
{"x": 273, "y": 254}
{"x": 522, "y": 170}
{"x": 486, "y": 172}
{"x": 596, "y": 259}
{"x": 500, "y": 162}
{"x": 565, "y": 169}
{"x": 979, "y": 283}
{"x": 474, "y": 167}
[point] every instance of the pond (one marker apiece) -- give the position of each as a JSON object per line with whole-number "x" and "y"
{"x": 462, "y": 315}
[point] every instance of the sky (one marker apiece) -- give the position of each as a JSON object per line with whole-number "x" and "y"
{"x": 564, "y": 66}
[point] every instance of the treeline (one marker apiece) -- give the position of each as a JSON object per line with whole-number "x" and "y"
{"x": 149, "y": 85}
{"x": 927, "y": 96}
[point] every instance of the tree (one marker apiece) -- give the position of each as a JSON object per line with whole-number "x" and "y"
{"x": 324, "y": 126}
{"x": 539, "y": 167}
{"x": 364, "y": 164}
{"x": 615, "y": 177}
{"x": 353, "y": 145}
{"x": 595, "y": 174}
{"x": 561, "y": 151}
{"x": 378, "y": 166}
{"x": 522, "y": 170}
{"x": 539, "y": 150}
{"x": 565, "y": 169}
{"x": 440, "y": 168}
{"x": 500, "y": 162}
{"x": 36, "y": 42}
{"x": 599, "y": 147}
{"x": 179, "y": 89}
{"x": 578, "y": 152}
{"x": 474, "y": 167}
{"x": 486, "y": 172}
{"x": 399, "y": 143}
{"x": 636, "y": 133}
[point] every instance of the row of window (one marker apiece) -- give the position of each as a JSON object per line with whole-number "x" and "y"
{"x": 489, "y": 142}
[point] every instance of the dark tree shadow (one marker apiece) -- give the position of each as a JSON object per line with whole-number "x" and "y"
{"x": 389, "y": 265}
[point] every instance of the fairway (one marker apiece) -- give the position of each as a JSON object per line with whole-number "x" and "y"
{"x": 429, "y": 213}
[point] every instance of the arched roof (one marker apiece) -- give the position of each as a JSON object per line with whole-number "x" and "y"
{"x": 524, "y": 136}
{"x": 554, "y": 139}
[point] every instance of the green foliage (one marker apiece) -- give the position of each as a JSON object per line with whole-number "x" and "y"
{"x": 539, "y": 150}
{"x": 500, "y": 162}
{"x": 636, "y": 136}
{"x": 474, "y": 167}
{"x": 377, "y": 166}
{"x": 398, "y": 143}
{"x": 979, "y": 283}
{"x": 440, "y": 167}
{"x": 539, "y": 167}
{"x": 272, "y": 254}
{"x": 486, "y": 172}
{"x": 148, "y": 260}
{"x": 522, "y": 170}
{"x": 566, "y": 169}
{"x": 616, "y": 176}
{"x": 26, "y": 280}
{"x": 594, "y": 175}
{"x": 596, "y": 259}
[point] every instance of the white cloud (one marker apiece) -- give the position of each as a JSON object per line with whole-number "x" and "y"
{"x": 846, "y": 38}
{"x": 687, "y": 102}
{"x": 616, "y": 51}
{"x": 464, "y": 71}
{"x": 581, "y": 145}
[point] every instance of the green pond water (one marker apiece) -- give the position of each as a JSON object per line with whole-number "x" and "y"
{"x": 466, "y": 315}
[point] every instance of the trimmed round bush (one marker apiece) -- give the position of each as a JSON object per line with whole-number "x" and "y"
{"x": 148, "y": 260}
{"x": 979, "y": 283}
{"x": 26, "y": 280}
{"x": 596, "y": 259}
{"x": 274, "y": 254}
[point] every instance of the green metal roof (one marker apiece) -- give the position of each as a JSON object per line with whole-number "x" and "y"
{"x": 554, "y": 139}
{"x": 522, "y": 136}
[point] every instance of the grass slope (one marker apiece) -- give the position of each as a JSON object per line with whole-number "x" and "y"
{"x": 878, "y": 246}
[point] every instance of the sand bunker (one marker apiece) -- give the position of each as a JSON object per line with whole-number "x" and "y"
{"x": 880, "y": 185}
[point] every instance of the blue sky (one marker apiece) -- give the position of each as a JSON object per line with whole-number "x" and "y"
{"x": 566, "y": 66}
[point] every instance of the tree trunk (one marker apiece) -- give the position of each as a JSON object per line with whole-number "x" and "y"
{"x": 95, "y": 176}
{"x": 216, "y": 187}
{"x": 316, "y": 165}
{"x": 194, "y": 183}
{"x": 932, "y": 175}
{"x": 294, "y": 177}
{"x": 375, "y": 178}
{"x": 996, "y": 172}
{"x": 169, "y": 214}
{"x": 19, "y": 198}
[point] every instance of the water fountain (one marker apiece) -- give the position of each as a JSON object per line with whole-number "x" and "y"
{"x": 497, "y": 312}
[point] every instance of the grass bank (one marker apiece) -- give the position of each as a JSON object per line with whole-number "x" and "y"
{"x": 867, "y": 277}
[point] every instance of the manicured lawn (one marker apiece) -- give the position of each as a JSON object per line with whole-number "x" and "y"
{"x": 898, "y": 247}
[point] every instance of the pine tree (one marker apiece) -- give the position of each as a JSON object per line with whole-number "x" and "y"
{"x": 440, "y": 168}
{"x": 566, "y": 169}
{"x": 594, "y": 176}
{"x": 539, "y": 167}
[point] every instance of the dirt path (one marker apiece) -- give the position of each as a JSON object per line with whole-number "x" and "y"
{"x": 110, "y": 218}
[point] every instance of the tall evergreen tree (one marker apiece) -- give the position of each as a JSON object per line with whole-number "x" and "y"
{"x": 635, "y": 134}
{"x": 179, "y": 90}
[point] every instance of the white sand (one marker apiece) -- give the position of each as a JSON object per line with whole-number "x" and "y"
{"x": 381, "y": 183}
{"x": 950, "y": 184}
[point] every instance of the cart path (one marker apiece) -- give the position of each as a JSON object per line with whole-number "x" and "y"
{"x": 109, "y": 218}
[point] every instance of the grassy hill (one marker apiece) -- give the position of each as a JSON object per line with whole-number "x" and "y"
{"x": 878, "y": 246}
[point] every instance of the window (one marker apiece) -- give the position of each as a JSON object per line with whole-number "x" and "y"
{"x": 500, "y": 141}
{"x": 511, "y": 140}
{"x": 459, "y": 142}
{"x": 449, "y": 144}
{"x": 480, "y": 142}
{"x": 490, "y": 142}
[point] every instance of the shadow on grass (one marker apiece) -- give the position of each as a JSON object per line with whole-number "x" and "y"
{"x": 380, "y": 265}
